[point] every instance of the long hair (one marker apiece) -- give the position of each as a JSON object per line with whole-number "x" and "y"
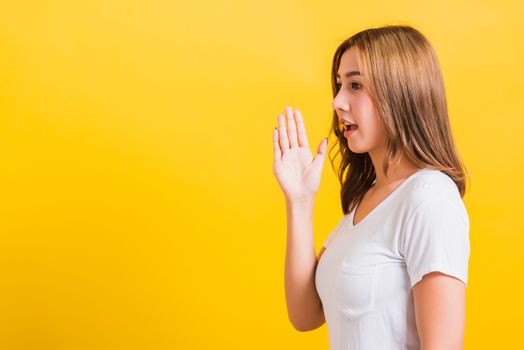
{"x": 403, "y": 78}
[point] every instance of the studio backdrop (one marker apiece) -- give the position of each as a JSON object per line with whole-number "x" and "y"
{"x": 138, "y": 208}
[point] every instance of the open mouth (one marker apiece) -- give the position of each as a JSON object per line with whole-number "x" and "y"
{"x": 350, "y": 127}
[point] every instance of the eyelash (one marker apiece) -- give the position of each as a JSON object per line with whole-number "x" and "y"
{"x": 340, "y": 85}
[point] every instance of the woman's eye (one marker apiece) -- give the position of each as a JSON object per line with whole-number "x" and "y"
{"x": 354, "y": 86}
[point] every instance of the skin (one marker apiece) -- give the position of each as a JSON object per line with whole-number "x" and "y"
{"x": 440, "y": 300}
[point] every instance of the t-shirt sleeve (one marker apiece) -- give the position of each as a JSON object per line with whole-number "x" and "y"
{"x": 436, "y": 238}
{"x": 333, "y": 233}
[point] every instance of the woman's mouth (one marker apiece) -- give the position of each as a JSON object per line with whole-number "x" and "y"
{"x": 350, "y": 129}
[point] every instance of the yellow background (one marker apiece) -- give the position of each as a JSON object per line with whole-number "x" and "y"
{"x": 138, "y": 204}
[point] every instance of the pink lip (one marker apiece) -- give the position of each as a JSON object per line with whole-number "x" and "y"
{"x": 348, "y": 133}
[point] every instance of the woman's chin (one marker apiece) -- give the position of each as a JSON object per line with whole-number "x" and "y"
{"x": 355, "y": 149}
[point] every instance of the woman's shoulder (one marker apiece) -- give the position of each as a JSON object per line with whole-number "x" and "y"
{"x": 430, "y": 185}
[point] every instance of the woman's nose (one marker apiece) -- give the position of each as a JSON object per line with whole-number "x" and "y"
{"x": 339, "y": 103}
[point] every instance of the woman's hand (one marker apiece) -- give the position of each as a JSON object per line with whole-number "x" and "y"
{"x": 297, "y": 172}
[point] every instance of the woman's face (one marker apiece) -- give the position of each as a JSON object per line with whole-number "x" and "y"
{"x": 353, "y": 104}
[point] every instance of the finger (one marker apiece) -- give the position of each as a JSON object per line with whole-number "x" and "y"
{"x": 321, "y": 152}
{"x": 276, "y": 146}
{"x": 301, "y": 130}
{"x": 282, "y": 134}
{"x": 291, "y": 128}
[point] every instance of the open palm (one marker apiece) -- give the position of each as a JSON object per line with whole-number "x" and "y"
{"x": 297, "y": 172}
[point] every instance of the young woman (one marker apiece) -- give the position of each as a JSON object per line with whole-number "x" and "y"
{"x": 393, "y": 272}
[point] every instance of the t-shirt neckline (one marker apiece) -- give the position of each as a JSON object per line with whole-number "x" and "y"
{"x": 384, "y": 201}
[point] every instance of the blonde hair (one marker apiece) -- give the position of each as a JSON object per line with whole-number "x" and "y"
{"x": 403, "y": 78}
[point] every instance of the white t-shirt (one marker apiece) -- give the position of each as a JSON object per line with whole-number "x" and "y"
{"x": 365, "y": 276}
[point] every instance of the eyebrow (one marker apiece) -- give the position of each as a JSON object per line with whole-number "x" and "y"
{"x": 349, "y": 74}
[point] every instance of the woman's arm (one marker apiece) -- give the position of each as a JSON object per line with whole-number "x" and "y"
{"x": 298, "y": 174}
{"x": 303, "y": 303}
{"x": 440, "y": 310}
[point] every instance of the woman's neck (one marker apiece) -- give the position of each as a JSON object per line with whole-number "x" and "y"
{"x": 399, "y": 169}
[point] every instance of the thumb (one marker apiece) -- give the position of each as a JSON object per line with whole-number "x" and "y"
{"x": 321, "y": 151}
